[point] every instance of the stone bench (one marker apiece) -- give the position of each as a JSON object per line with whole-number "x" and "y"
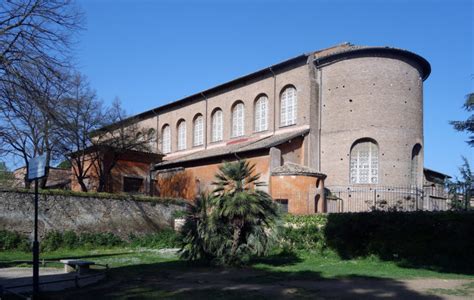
{"x": 76, "y": 265}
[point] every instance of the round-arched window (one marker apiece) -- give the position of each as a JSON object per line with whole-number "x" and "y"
{"x": 364, "y": 163}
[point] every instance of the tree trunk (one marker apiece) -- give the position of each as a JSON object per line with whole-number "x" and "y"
{"x": 82, "y": 184}
{"x": 236, "y": 237}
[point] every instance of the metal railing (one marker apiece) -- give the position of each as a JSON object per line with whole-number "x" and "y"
{"x": 384, "y": 198}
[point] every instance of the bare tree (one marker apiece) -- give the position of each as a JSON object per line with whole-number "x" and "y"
{"x": 117, "y": 139}
{"x": 93, "y": 137}
{"x": 35, "y": 40}
{"x": 79, "y": 114}
{"x": 25, "y": 130}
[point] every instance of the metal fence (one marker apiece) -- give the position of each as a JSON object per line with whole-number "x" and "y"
{"x": 384, "y": 198}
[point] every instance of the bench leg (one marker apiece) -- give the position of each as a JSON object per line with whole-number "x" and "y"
{"x": 69, "y": 269}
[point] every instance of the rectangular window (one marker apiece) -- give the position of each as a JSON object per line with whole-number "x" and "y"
{"x": 283, "y": 205}
{"x": 132, "y": 184}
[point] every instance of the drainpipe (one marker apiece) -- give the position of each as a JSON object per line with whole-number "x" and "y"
{"x": 274, "y": 99}
{"x": 150, "y": 178}
{"x": 205, "y": 122}
{"x": 318, "y": 67}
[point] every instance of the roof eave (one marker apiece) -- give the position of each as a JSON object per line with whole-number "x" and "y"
{"x": 422, "y": 62}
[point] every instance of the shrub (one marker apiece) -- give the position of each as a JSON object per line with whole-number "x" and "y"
{"x": 303, "y": 233}
{"x": 441, "y": 240}
{"x": 13, "y": 241}
{"x": 106, "y": 239}
{"x": 102, "y": 195}
{"x": 54, "y": 240}
{"x": 166, "y": 238}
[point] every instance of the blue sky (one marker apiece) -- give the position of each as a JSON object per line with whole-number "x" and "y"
{"x": 149, "y": 53}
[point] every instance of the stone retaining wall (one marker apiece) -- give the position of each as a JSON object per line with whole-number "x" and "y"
{"x": 83, "y": 214}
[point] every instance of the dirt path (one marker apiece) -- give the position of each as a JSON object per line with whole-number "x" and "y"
{"x": 347, "y": 288}
{"x": 252, "y": 284}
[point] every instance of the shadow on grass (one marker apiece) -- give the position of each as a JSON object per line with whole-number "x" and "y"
{"x": 283, "y": 258}
{"x": 179, "y": 280}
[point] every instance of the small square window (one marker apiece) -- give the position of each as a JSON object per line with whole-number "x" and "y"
{"x": 283, "y": 205}
{"x": 132, "y": 184}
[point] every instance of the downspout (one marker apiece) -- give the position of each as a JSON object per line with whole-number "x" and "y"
{"x": 152, "y": 166}
{"x": 320, "y": 74}
{"x": 274, "y": 100}
{"x": 205, "y": 122}
{"x": 320, "y": 115}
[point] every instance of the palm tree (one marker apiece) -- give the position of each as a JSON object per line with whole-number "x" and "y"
{"x": 248, "y": 211}
{"x": 232, "y": 223}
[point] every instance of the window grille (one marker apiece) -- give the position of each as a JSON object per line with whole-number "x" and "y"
{"x": 364, "y": 165}
{"x": 288, "y": 106}
{"x": 199, "y": 131}
{"x": 238, "y": 120}
{"x": 166, "y": 137}
{"x": 182, "y": 135}
{"x": 217, "y": 126}
{"x": 261, "y": 112}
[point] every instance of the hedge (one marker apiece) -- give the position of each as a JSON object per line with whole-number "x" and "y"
{"x": 443, "y": 239}
{"x": 54, "y": 240}
{"x": 114, "y": 196}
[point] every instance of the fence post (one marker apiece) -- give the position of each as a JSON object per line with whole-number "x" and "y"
{"x": 416, "y": 199}
{"x": 375, "y": 199}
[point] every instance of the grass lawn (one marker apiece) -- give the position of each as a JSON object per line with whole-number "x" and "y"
{"x": 150, "y": 274}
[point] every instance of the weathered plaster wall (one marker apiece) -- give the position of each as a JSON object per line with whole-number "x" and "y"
{"x": 82, "y": 214}
{"x": 200, "y": 177}
{"x": 304, "y": 193}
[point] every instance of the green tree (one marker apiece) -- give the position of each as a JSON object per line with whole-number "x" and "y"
{"x": 235, "y": 222}
{"x": 460, "y": 189}
{"x": 468, "y": 124}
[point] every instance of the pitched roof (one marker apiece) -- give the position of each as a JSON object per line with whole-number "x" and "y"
{"x": 289, "y": 168}
{"x": 228, "y": 149}
{"x": 436, "y": 173}
{"x": 319, "y": 57}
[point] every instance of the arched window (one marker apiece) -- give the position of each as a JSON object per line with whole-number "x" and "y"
{"x": 238, "y": 120}
{"x": 166, "y": 139}
{"x": 217, "y": 126}
{"x": 364, "y": 166}
{"x": 182, "y": 135}
{"x": 198, "y": 131}
{"x": 415, "y": 162}
{"x": 152, "y": 139}
{"x": 288, "y": 106}
{"x": 261, "y": 112}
